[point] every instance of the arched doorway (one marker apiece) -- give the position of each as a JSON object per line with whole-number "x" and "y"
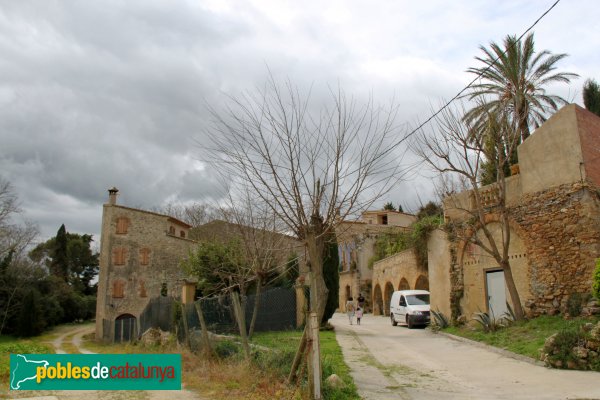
{"x": 348, "y": 292}
{"x": 422, "y": 283}
{"x": 403, "y": 284}
{"x": 125, "y": 328}
{"x": 389, "y": 289}
{"x": 377, "y": 301}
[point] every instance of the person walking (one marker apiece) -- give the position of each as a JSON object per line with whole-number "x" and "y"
{"x": 361, "y": 301}
{"x": 350, "y": 309}
{"x": 359, "y": 314}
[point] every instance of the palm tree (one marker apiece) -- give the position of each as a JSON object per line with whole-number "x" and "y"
{"x": 513, "y": 78}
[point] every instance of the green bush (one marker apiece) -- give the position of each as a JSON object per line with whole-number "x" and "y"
{"x": 575, "y": 304}
{"x": 596, "y": 281}
{"x": 564, "y": 342}
{"x": 227, "y": 348}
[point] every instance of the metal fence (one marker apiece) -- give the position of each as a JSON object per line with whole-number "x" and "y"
{"x": 276, "y": 311}
{"x": 157, "y": 314}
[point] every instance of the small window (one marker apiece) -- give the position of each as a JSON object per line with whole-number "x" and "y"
{"x": 163, "y": 289}
{"x": 118, "y": 289}
{"x": 182, "y": 234}
{"x": 119, "y": 255}
{"x": 144, "y": 256}
{"x": 171, "y": 230}
{"x": 122, "y": 225}
{"x": 143, "y": 289}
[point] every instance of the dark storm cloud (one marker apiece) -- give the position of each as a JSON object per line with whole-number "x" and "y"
{"x": 113, "y": 93}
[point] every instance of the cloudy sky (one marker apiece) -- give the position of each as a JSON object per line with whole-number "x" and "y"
{"x": 95, "y": 94}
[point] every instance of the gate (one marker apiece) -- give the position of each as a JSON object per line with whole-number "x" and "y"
{"x": 125, "y": 328}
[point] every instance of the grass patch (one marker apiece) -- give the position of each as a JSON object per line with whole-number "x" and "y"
{"x": 524, "y": 337}
{"x": 8, "y": 345}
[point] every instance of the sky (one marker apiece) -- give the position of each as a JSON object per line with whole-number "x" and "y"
{"x": 116, "y": 93}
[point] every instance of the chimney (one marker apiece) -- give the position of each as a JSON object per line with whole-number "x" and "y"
{"x": 112, "y": 196}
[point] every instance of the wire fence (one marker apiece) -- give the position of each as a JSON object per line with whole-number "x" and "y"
{"x": 276, "y": 311}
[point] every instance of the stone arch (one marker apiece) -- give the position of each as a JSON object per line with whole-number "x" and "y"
{"x": 377, "y": 300}
{"x": 403, "y": 284}
{"x": 125, "y": 328}
{"x": 422, "y": 283}
{"x": 389, "y": 289}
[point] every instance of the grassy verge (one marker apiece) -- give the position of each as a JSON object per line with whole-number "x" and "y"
{"x": 229, "y": 376}
{"x": 526, "y": 337}
{"x": 8, "y": 345}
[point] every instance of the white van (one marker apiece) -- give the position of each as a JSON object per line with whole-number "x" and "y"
{"x": 410, "y": 307}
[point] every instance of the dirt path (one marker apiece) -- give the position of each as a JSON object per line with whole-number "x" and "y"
{"x": 397, "y": 362}
{"x": 72, "y": 338}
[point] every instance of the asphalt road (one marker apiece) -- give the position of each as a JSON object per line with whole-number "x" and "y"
{"x": 400, "y": 363}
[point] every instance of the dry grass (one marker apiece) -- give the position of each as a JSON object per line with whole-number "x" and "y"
{"x": 232, "y": 379}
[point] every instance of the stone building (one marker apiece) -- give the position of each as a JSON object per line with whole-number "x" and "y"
{"x": 554, "y": 207}
{"x": 356, "y": 247}
{"x": 140, "y": 252}
{"x": 396, "y": 272}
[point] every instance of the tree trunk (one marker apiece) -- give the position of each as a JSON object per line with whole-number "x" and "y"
{"x": 256, "y": 306}
{"x": 240, "y": 316}
{"x": 512, "y": 290}
{"x": 206, "y": 345}
{"x": 318, "y": 289}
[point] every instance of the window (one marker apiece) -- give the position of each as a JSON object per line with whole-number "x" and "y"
{"x": 144, "y": 256}
{"x": 122, "y": 225}
{"x": 119, "y": 255}
{"x": 171, "y": 230}
{"x": 118, "y": 289}
{"x": 163, "y": 289}
{"x": 182, "y": 234}
{"x": 143, "y": 289}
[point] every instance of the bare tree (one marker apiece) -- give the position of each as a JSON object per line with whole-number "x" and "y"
{"x": 312, "y": 168}
{"x": 266, "y": 246}
{"x": 457, "y": 152}
{"x": 195, "y": 214}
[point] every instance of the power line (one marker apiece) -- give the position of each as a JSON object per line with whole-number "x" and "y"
{"x": 473, "y": 81}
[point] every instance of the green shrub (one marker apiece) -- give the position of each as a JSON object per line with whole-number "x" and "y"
{"x": 596, "y": 281}
{"x": 439, "y": 321}
{"x": 488, "y": 322}
{"x": 575, "y": 304}
{"x": 563, "y": 344}
{"x": 227, "y": 348}
{"x": 278, "y": 361}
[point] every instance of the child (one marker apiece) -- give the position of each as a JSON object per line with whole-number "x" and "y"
{"x": 359, "y": 314}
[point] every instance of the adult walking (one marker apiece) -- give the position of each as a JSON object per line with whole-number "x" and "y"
{"x": 350, "y": 309}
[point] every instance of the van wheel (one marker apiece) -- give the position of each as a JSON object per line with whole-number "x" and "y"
{"x": 394, "y": 323}
{"x": 409, "y": 322}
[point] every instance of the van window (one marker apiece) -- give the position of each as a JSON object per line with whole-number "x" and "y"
{"x": 402, "y": 301}
{"x": 418, "y": 299}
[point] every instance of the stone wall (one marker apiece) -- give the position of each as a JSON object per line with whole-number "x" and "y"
{"x": 562, "y": 228}
{"x": 439, "y": 261}
{"x": 397, "y": 272}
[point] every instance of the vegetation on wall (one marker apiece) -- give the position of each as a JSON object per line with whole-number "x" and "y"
{"x": 596, "y": 281}
{"x": 388, "y": 244}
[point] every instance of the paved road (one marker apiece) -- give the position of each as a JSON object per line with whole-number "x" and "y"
{"x": 395, "y": 362}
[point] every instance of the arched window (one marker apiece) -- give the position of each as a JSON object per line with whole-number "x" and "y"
{"x": 143, "y": 289}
